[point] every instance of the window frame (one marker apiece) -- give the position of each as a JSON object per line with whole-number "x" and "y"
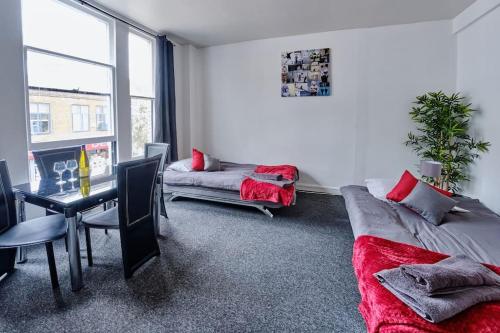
{"x": 141, "y": 34}
{"x": 111, "y": 65}
{"x": 38, "y": 120}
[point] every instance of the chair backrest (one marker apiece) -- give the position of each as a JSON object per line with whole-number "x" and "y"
{"x": 7, "y": 217}
{"x": 45, "y": 160}
{"x": 152, "y": 149}
{"x": 7, "y": 200}
{"x": 136, "y": 196}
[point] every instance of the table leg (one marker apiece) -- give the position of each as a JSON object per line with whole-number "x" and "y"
{"x": 75, "y": 263}
{"x": 21, "y": 215}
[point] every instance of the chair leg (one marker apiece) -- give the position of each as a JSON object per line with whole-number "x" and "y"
{"x": 66, "y": 243}
{"x": 105, "y": 231}
{"x": 52, "y": 265}
{"x": 163, "y": 211}
{"x": 89, "y": 246}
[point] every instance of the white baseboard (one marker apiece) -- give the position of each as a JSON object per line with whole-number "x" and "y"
{"x": 318, "y": 189}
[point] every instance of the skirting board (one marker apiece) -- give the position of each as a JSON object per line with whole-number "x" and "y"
{"x": 318, "y": 189}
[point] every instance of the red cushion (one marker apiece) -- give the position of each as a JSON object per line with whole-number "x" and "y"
{"x": 198, "y": 160}
{"x": 405, "y": 185}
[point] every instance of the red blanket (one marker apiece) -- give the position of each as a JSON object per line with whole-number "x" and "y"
{"x": 254, "y": 190}
{"x": 383, "y": 312}
{"x": 289, "y": 172}
{"x": 261, "y": 191}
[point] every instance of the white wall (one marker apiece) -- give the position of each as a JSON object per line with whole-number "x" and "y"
{"x": 342, "y": 139}
{"x": 478, "y": 78}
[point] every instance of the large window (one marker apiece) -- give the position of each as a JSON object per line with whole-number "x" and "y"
{"x": 39, "y": 118}
{"x": 69, "y": 76}
{"x": 141, "y": 69}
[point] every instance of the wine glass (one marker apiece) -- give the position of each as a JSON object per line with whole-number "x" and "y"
{"x": 72, "y": 165}
{"x": 60, "y": 167}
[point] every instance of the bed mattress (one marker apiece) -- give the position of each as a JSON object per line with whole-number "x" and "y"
{"x": 229, "y": 178}
{"x": 475, "y": 234}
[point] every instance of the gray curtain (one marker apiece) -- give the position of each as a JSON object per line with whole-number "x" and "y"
{"x": 165, "y": 129}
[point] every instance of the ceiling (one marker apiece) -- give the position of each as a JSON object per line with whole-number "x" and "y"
{"x": 214, "y": 22}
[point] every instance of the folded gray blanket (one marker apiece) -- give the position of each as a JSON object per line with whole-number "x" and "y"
{"x": 449, "y": 274}
{"x": 265, "y": 176}
{"x": 447, "y": 301}
{"x": 274, "y": 179}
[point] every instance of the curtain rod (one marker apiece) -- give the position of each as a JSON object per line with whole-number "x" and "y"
{"x": 102, "y": 11}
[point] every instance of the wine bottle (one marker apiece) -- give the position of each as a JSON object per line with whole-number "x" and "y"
{"x": 84, "y": 172}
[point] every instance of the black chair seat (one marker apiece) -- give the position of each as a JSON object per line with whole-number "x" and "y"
{"x": 107, "y": 219}
{"x": 40, "y": 230}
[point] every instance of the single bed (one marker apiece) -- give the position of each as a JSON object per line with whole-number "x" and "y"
{"x": 388, "y": 234}
{"x": 217, "y": 186}
{"x": 475, "y": 234}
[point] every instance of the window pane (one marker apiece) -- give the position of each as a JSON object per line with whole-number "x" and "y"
{"x": 53, "y": 25}
{"x": 140, "y": 65}
{"x": 142, "y": 125}
{"x": 62, "y": 73}
{"x": 80, "y": 114}
{"x": 100, "y": 159}
{"x": 102, "y": 118}
{"x": 39, "y": 118}
{"x": 59, "y": 84}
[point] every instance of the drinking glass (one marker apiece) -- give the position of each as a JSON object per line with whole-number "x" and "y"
{"x": 60, "y": 167}
{"x": 72, "y": 165}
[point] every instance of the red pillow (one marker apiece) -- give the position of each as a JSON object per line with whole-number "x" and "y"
{"x": 405, "y": 185}
{"x": 198, "y": 163}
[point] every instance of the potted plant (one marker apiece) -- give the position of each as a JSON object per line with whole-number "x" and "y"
{"x": 443, "y": 135}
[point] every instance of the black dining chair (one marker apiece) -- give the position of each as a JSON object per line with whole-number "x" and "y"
{"x": 46, "y": 229}
{"x": 152, "y": 149}
{"x": 134, "y": 215}
{"x": 45, "y": 159}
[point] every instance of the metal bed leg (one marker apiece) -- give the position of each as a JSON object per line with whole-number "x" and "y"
{"x": 265, "y": 211}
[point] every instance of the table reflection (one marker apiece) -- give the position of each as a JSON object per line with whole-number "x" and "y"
{"x": 50, "y": 189}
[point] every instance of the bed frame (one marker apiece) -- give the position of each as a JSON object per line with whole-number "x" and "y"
{"x": 222, "y": 196}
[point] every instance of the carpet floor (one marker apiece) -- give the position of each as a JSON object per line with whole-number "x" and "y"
{"x": 222, "y": 269}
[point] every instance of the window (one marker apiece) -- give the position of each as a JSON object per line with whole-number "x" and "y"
{"x": 101, "y": 118}
{"x": 40, "y": 118}
{"x": 141, "y": 69}
{"x": 80, "y": 115}
{"x": 68, "y": 54}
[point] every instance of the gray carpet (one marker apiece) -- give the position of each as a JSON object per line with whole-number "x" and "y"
{"x": 222, "y": 269}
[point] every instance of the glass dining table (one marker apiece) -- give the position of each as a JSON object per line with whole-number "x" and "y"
{"x": 47, "y": 194}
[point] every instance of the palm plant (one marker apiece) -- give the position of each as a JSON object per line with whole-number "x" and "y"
{"x": 443, "y": 125}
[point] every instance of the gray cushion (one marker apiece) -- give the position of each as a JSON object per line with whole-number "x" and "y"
{"x": 211, "y": 163}
{"x": 427, "y": 202}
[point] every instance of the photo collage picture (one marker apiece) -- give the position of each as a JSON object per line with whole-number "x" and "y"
{"x": 305, "y": 73}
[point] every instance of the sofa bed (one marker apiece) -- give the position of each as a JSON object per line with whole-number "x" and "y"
{"x": 224, "y": 185}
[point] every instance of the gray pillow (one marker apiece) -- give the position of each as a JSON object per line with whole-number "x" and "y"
{"x": 182, "y": 165}
{"x": 429, "y": 203}
{"x": 211, "y": 163}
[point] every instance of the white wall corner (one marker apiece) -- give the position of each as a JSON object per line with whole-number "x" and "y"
{"x": 473, "y": 13}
